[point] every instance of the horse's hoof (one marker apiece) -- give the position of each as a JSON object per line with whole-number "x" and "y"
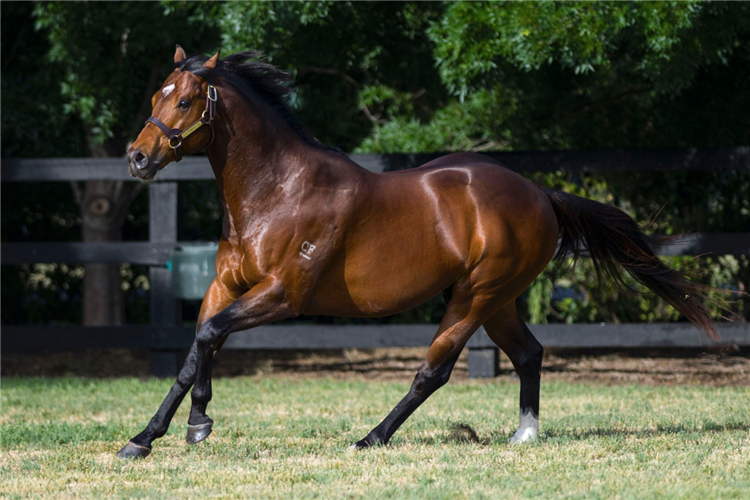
{"x": 197, "y": 433}
{"x": 362, "y": 444}
{"x": 359, "y": 445}
{"x": 132, "y": 450}
{"x": 522, "y": 437}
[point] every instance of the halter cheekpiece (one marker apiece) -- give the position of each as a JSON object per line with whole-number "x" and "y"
{"x": 176, "y": 136}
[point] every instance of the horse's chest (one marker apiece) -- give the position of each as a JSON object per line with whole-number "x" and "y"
{"x": 240, "y": 268}
{"x": 255, "y": 252}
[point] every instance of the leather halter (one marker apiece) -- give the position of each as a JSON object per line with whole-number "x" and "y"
{"x": 176, "y": 136}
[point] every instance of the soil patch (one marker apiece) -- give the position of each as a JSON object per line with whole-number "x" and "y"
{"x": 685, "y": 366}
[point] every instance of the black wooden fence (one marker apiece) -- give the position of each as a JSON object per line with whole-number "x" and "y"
{"x": 166, "y": 337}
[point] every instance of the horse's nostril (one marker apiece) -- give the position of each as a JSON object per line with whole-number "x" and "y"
{"x": 140, "y": 160}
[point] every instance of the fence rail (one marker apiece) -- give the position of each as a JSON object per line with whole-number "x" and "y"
{"x": 610, "y": 160}
{"x": 304, "y": 336}
{"x": 166, "y": 337}
{"x": 157, "y": 254}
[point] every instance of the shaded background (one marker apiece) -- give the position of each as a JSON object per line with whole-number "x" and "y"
{"x": 381, "y": 77}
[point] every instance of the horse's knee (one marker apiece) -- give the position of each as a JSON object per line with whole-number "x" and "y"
{"x": 203, "y": 339}
{"x": 206, "y": 337}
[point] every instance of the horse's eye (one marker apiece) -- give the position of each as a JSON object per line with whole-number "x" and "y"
{"x": 184, "y": 104}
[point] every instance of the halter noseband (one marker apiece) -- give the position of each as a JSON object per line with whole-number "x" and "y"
{"x": 176, "y": 136}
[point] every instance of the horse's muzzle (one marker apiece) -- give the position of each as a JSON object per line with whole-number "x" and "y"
{"x": 140, "y": 166}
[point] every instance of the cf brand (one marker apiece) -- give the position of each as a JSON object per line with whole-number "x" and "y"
{"x": 307, "y": 250}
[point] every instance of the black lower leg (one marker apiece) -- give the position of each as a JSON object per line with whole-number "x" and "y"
{"x": 199, "y": 424}
{"x": 202, "y": 393}
{"x": 425, "y": 383}
{"x": 140, "y": 445}
{"x": 528, "y": 365}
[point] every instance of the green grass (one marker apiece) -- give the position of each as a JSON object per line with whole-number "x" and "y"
{"x": 287, "y": 437}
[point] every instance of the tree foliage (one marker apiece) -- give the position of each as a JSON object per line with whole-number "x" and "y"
{"x": 337, "y": 52}
{"x": 663, "y": 44}
{"x": 108, "y": 60}
{"x": 602, "y": 74}
{"x": 429, "y": 76}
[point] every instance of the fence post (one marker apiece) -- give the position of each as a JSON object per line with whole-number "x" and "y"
{"x": 484, "y": 356}
{"x": 164, "y": 308}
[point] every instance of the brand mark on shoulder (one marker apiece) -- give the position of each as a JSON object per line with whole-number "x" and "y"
{"x": 307, "y": 250}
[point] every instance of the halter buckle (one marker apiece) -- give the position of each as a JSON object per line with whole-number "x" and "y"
{"x": 175, "y": 146}
{"x": 212, "y": 94}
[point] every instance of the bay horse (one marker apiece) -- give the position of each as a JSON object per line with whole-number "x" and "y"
{"x": 308, "y": 231}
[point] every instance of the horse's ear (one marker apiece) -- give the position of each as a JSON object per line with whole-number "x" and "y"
{"x": 211, "y": 63}
{"x": 179, "y": 54}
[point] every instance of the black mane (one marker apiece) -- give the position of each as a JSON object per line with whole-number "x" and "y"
{"x": 254, "y": 77}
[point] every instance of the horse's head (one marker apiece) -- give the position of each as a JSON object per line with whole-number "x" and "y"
{"x": 180, "y": 122}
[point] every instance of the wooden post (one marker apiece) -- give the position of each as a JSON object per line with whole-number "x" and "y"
{"x": 164, "y": 308}
{"x": 484, "y": 356}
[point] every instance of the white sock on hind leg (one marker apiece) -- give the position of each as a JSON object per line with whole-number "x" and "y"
{"x": 528, "y": 427}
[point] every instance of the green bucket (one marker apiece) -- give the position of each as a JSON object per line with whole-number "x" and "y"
{"x": 193, "y": 269}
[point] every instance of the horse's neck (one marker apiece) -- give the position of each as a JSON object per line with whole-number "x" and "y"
{"x": 252, "y": 147}
{"x": 254, "y": 153}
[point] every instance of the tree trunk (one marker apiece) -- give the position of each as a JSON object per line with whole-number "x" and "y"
{"x": 103, "y": 206}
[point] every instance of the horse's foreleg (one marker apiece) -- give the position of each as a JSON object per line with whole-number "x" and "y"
{"x": 217, "y": 299}
{"x": 458, "y": 325}
{"x": 198, "y": 432}
{"x": 140, "y": 445}
{"x": 510, "y": 333}
{"x": 198, "y": 359}
{"x": 263, "y": 304}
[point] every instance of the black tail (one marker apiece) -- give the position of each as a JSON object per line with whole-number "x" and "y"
{"x": 615, "y": 240}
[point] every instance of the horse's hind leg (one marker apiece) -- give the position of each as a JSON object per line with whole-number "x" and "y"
{"x": 461, "y": 320}
{"x": 509, "y": 332}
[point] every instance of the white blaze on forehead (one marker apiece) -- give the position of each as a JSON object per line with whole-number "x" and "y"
{"x": 167, "y": 90}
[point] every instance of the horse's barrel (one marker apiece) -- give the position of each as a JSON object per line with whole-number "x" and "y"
{"x": 193, "y": 269}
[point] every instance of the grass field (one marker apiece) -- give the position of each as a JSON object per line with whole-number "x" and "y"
{"x": 286, "y": 437}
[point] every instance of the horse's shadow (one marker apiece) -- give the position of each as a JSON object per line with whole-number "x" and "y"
{"x": 581, "y": 434}
{"x": 462, "y": 433}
